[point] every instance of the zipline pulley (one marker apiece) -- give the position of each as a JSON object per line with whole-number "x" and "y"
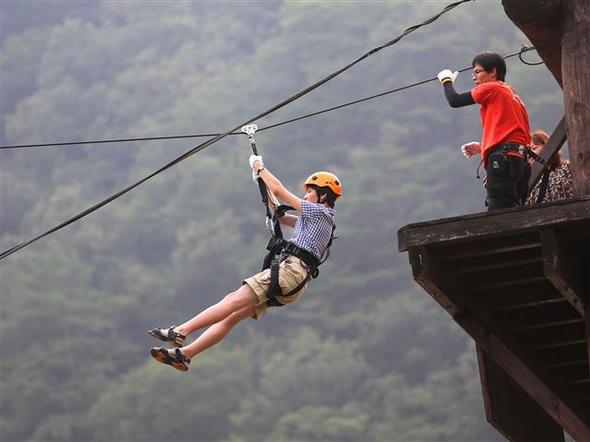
{"x": 249, "y": 130}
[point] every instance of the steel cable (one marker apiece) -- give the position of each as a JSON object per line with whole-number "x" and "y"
{"x": 223, "y": 135}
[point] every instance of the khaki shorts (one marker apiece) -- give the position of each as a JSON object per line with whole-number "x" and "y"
{"x": 292, "y": 272}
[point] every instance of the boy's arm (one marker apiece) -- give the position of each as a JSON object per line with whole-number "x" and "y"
{"x": 288, "y": 220}
{"x": 274, "y": 185}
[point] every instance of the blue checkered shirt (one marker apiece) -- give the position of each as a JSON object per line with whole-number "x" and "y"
{"x": 313, "y": 228}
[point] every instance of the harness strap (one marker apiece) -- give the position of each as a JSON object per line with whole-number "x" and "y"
{"x": 529, "y": 153}
{"x": 274, "y": 288}
{"x": 536, "y": 157}
{"x": 543, "y": 186}
{"x": 525, "y": 151}
{"x": 308, "y": 258}
{"x": 277, "y": 249}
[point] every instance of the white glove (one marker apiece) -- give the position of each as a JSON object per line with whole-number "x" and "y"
{"x": 470, "y": 149}
{"x": 447, "y": 75}
{"x": 254, "y": 176}
{"x": 253, "y": 159}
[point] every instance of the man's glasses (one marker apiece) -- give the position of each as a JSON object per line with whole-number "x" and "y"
{"x": 477, "y": 71}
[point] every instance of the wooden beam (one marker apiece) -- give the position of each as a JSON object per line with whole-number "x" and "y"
{"x": 510, "y": 410}
{"x": 526, "y": 304}
{"x": 548, "y": 392}
{"x": 587, "y": 307}
{"x": 577, "y": 233}
{"x": 561, "y": 343}
{"x": 530, "y": 296}
{"x": 554, "y": 143}
{"x": 539, "y": 21}
{"x": 562, "y": 354}
{"x": 549, "y": 334}
{"x": 504, "y": 284}
{"x": 562, "y": 268}
{"x": 575, "y": 65}
{"x": 511, "y": 276}
{"x": 421, "y": 271}
{"x": 495, "y": 223}
{"x": 508, "y": 246}
{"x": 543, "y": 314}
{"x": 576, "y": 423}
{"x": 569, "y": 363}
{"x": 567, "y": 331}
{"x": 560, "y": 30}
{"x": 495, "y": 265}
{"x": 548, "y": 324}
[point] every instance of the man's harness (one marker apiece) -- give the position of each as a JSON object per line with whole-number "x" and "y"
{"x": 525, "y": 151}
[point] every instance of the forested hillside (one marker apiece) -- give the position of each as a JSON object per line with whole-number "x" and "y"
{"x": 366, "y": 355}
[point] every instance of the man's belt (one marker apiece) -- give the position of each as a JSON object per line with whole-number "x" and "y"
{"x": 511, "y": 147}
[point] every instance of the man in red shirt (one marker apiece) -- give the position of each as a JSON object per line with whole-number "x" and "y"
{"x": 506, "y": 133}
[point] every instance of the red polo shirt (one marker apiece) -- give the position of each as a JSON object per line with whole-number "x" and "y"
{"x": 503, "y": 116}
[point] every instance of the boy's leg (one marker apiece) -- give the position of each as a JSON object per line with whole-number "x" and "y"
{"x": 233, "y": 302}
{"x": 217, "y": 332}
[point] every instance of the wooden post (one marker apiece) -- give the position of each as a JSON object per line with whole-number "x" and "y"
{"x": 509, "y": 409}
{"x": 539, "y": 21}
{"x": 575, "y": 64}
{"x": 554, "y": 143}
{"x": 516, "y": 362}
{"x": 560, "y": 30}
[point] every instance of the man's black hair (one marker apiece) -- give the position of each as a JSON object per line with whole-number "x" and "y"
{"x": 490, "y": 60}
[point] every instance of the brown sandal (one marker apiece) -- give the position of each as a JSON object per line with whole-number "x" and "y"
{"x": 178, "y": 361}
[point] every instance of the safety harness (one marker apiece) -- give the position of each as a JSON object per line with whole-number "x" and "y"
{"x": 279, "y": 248}
{"x": 526, "y": 153}
{"x": 523, "y": 150}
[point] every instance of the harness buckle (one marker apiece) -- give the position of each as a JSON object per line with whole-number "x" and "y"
{"x": 269, "y": 224}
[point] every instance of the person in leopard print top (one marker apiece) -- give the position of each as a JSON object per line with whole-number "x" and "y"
{"x": 556, "y": 182}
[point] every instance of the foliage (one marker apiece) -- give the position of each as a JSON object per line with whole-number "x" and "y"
{"x": 366, "y": 354}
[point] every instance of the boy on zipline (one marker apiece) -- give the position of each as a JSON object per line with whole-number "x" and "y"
{"x": 312, "y": 234}
{"x": 506, "y": 134}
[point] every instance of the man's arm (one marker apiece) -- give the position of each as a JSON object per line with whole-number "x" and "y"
{"x": 447, "y": 78}
{"x": 455, "y": 99}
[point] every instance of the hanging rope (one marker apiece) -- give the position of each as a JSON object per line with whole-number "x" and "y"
{"x": 225, "y": 134}
{"x": 522, "y": 51}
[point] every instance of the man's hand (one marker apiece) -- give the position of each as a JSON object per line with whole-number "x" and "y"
{"x": 470, "y": 149}
{"x": 447, "y": 75}
{"x": 255, "y": 162}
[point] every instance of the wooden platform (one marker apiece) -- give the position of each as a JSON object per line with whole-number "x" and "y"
{"x": 518, "y": 281}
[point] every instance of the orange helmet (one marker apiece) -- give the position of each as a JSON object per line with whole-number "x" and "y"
{"x": 325, "y": 179}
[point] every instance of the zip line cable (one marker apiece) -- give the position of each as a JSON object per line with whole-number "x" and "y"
{"x": 381, "y": 94}
{"x": 225, "y": 134}
{"x": 302, "y": 117}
